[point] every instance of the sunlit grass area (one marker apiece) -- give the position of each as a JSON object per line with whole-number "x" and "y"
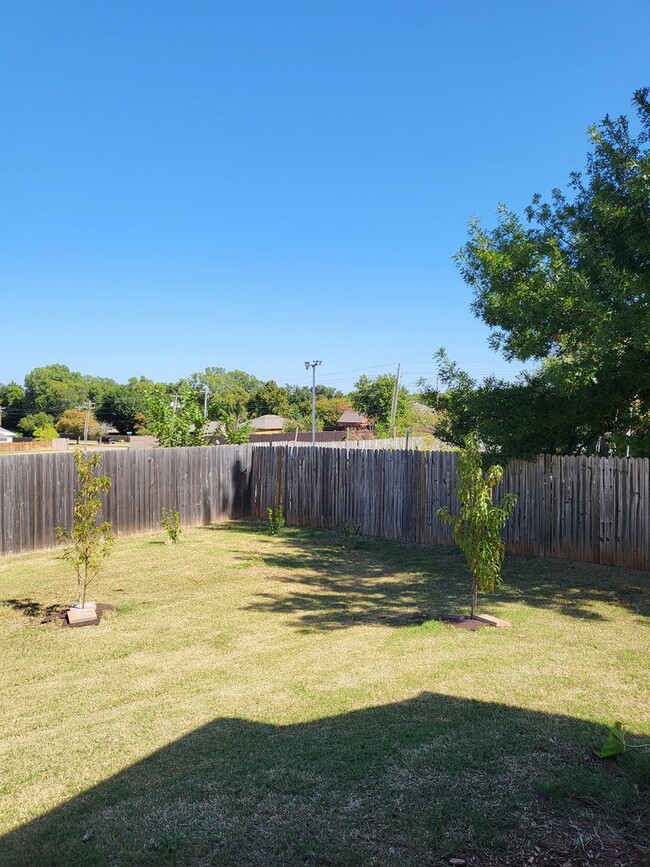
{"x": 279, "y": 700}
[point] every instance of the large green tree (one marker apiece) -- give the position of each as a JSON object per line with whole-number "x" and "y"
{"x": 97, "y": 387}
{"x": 177, "y": 419}
{"x": 122, "y": 405}
{"x": 12, "y": 398}
{"x": 228, "y": 391}
{"x": 570, "y": 285}
{"x": 269, "y": 398}
{"x": 374, "y": 398}
{"x": 28, "y": 423}
{"x": 518, "y": 419}
{"x": 54, "y": 388}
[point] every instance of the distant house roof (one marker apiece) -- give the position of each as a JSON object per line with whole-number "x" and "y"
{"x": 350, "y": 418}
{"x": 268, "y": 422}
{"x": 6, "y": 434}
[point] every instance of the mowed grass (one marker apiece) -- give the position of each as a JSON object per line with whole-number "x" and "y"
{"x": 278, "y": 700}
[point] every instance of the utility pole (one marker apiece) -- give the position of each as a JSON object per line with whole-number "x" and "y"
{"x": 2, "y": 409}
{"x": 206, "y": 392}
{"x": 393, "y": 406}
{"x": 87, "y": 425}
{"x": 313, "y": 365}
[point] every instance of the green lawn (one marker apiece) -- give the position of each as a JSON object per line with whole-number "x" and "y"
{"x": 278, "y": 700}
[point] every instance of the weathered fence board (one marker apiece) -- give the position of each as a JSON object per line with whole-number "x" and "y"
{"x": 590, "y": 509}
{"x": 205, "y": 485}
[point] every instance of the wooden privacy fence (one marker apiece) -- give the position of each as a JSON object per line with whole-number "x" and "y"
{"x": 205, "y": 485}
{"x": 590, "y": 509}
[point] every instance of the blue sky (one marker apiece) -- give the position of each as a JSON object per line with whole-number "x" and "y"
{"x": 254, "y": 184}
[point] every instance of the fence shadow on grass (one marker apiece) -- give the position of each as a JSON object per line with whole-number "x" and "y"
{"x": 411, "y": 782}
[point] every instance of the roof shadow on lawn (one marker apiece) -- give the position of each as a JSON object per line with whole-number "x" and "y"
{"x": 409, "y": 782}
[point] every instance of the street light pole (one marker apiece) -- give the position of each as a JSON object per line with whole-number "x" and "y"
{"x": 313, "y": 365}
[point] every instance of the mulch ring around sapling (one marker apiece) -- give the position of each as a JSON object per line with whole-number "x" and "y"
{"x": 101, "y": 608}
{"x": 463, "y": 621}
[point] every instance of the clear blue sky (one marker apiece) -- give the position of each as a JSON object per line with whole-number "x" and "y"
{"x": 254, "y": 184}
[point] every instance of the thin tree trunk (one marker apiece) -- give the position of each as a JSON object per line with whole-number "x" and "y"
{"x": 474, "y": 608}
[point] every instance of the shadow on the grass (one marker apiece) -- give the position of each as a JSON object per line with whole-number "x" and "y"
{"x": 31, "y": 608}
{"x": 572, "y": 588}
{"x": 406, "y": 783}
{"x": 326, "y": 587}
{"x": 394, "y": 583}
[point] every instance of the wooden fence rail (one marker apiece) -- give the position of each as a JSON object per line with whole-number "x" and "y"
{"x": 590, "y": 509}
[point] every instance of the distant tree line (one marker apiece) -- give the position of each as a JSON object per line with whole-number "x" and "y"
{"x": 55, "y": 400}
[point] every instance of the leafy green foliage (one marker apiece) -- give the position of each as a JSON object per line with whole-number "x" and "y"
{"x": 571, "y": 286}
{"x": 616, "y": 744}
{"x": 55, "y": 388}
{"x": 12, "y": 398}
{"x": 234, "y": 433}
{"x": 170, "y": 521}
{"x": 476, "y": 529}
{"x": 98, "y": 387}
{"x": 351, "y": 534}
{"x": 45, "y": 433}
{"x": 28, "y": 424}
{"x": 374, "y": 398}
{"x": 90, "y": 542}
{"x": 276, "y": 521}
{"x": 525, "y": 418}
{"x": 176, "y": 420}
{"x": 121, "y": 405}
{"x": 269, "y": 398}
{"x": 231, "y": 402}
{"x": 330, "y": 409}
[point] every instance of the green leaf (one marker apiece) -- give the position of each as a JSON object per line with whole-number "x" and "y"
{"x": 615, "y": 743}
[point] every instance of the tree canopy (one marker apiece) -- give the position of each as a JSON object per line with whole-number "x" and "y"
{"x": 122, "y": 404}
{"x": 569, "y": 285}
{"x": 269, "y": 398}
{"x": 55, "y": 388}
{"x": 176, "y": 421}
{"x": 28, "y": 423}
{"x": 374, "y": 398}
{"x": 73, "y": 422}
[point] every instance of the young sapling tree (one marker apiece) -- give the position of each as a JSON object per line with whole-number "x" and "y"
{"x": 89, "y": 541}
{"x": 170, "y": 521}
{"x": 476, "y": 529}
